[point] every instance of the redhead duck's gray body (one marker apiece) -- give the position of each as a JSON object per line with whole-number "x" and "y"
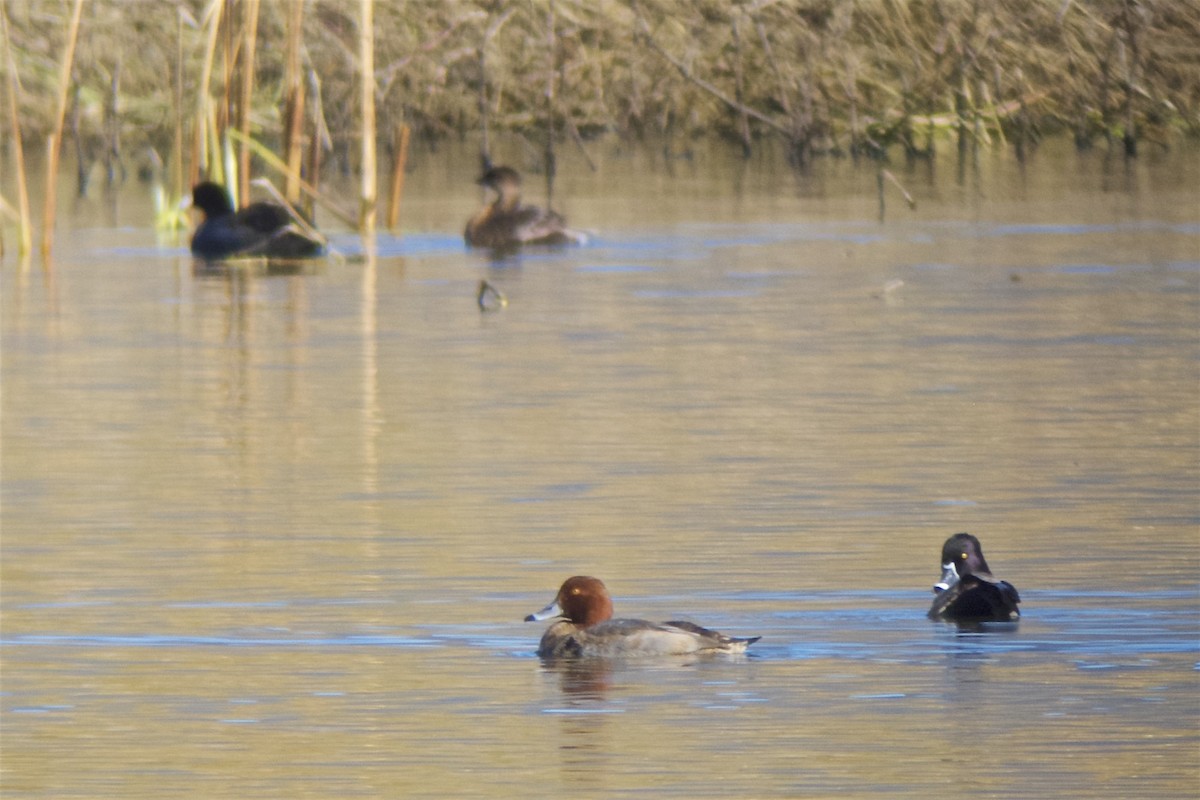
{"x": 260, "y": 229}
{"x": 588, "y": 629}
{"x": 507, "y": 224}
{"x": 967, "y": 591}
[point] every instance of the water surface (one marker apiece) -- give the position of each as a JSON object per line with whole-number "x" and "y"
{"x": 273, "y": 535}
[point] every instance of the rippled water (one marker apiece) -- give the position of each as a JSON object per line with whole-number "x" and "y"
{"x": 274, "y": 535}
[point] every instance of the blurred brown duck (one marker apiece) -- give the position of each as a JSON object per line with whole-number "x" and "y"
{"x": 505, "y": 223}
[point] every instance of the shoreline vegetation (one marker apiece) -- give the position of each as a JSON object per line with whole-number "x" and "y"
{"x": 221, "y": 89}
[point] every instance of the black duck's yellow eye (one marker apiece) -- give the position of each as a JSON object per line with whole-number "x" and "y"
{"x": 963, "y": 556}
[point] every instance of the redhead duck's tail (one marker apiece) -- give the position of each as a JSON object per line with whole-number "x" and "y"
{"x": 713, "y": 641}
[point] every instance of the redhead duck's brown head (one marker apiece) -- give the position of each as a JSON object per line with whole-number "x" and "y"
{"x": 582, "y": 600}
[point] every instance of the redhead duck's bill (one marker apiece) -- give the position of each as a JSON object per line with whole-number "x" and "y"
{"x": 549, "y": 612}
{"x": 585, "y": 628}
{"x": 967, "y": 592}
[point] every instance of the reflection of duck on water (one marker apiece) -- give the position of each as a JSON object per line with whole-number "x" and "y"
{"x": 260, "y": 229}
{"x": 505, "y": 223}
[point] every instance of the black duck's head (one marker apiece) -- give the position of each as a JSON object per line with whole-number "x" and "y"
{"x": 212, "y": 199}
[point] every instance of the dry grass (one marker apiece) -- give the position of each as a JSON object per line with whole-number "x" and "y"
{"x": 823, "y": 76}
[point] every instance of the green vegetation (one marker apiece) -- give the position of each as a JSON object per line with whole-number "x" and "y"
{"x": 820, "y": 76}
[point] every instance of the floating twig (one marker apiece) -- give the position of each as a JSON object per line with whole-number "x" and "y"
{"x": 490, "y": 298}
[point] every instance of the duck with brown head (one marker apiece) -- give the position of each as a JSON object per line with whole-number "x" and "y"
{"x": 506, "y": 223}
{"x": 585, "y": 628}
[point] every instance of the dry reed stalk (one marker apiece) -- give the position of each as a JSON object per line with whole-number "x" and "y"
{"x": 293, "y": 115}
{"x": 52, "y": 151}
{"x": 249, "y": 43}
{"x": 200, "y": 152}
{"x": 273, "y": 161}
{"x": 321, "y": 138}
{"x": 177, "y": 102}
{"x": 366, "y": 53}
{"x": 685, "y": 71}
{"x": 739, "y": 89}
{"x": 297, "y": 218}
{"x": 783, "y": 93}
{"x": 393, "y": 215}
{"x": 493, "y": 27}
{"x": 82, "y": 162}
{"x": 551, "y": 73}
{"x": 112, "y": 122}
{"x": 25, "y": 233}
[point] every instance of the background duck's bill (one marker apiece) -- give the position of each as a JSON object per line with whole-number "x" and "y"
{"x": 948, "y": 579}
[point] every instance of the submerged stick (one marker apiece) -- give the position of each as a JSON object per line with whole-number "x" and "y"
{"x": 489, "y": 298}
{"x": 398, "y": 167}
{"x": 55, "y": 140}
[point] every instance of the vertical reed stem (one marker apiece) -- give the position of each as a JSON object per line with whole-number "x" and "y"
{"x": 485, "y": 145}
{"x": 485, "y": 105}
{"x": 552, "y": 69}
{"x": 112, "y": 121}
{"x": 250, "y": 28}
{"x": 176, "y": 190}
{"x": 200, "y": 127}
{"x": 55, "y": 141}
{"x": 320, "y": 137}
{"x": 366, "y": 50}
{"x": 739, "y": 93}
{"x": 293, "y": 135}
{"x": 25, "y": 237}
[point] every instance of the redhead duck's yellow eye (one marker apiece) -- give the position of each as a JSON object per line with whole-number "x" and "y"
{"x": 576, "y": 590}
